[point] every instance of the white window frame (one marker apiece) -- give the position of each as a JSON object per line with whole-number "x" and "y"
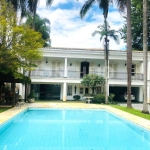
{"x": 81, "y": 90}
{"x": 69, "y": 90}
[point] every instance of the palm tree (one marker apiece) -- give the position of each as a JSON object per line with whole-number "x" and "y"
{"x": 145, "y": 48}
{"x": 19, "y": 5}
{"x": 28, "y": 6}
{"x": 104, "y": 5}
{"x": 105, "y": 34}
{"x": 42, "y": 25}
{"x": 33, "y": 7}
{"x": 110, "y": 33}
{"x": 129, "y": 53}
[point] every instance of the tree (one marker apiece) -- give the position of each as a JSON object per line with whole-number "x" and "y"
{"x": 92, "y": 80}
{"x": 110, "y": 33}
{"x": 145, "y": 48}
{"x": 104, "y": 5}
{"x": 33, "y": 7}
{"x": 18, "y": 43}
{"x": 137, "y": 25}
{"x": 129, "y": 53}
{"x": 42, "y": 25}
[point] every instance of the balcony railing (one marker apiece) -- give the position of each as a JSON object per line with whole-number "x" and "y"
{"x": 78, "y": 74}
{"x": 48, "y": 73}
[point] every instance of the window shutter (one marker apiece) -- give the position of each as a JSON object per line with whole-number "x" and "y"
{"x": 138, "y": 68}
{"x": 92, "y": 68}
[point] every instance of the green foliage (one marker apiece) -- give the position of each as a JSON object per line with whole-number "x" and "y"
{"x": 137, "y": 25}
{"x": 132, "y": 111}
{"x": 110, "y": 33}
{"x": 42, "y": 25}
{"x": 99, "y": 99}
{"x": 92, "y": 80}
{"x": 3, "y": 109}
{"x": 110, "y": 98}
{"x": 76, "y": 97}
{"x": 32, "y": 94}
{"x": 19, "y": 44}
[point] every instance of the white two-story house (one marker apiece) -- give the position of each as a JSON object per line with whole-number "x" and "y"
{"x": 60, "y": 72}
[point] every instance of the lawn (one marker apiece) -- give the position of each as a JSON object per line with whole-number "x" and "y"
{"x": 3, "y": 109}
{"x": 132, "y": 111}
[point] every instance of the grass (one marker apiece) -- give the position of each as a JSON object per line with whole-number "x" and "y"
{"x": 132, "y": 111}
{"x": 3, "y": 109}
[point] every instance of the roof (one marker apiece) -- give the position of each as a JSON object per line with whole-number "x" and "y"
{"x": 88, "y": 49}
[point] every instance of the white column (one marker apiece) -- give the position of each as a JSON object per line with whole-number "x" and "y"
{"x": 141, "y": 67}
{"x": 64, "y": 91}
{"x": 108, "y": 72}
{"x": 148, "y": 71}
{"x": 65, "y": 70}
{"x": 23, "y": 91}
{"x": 20, "y": 89}
{"x": 108, "y": 88}
{"x": 148, "y": 94}
{"x": 140, "y": 94}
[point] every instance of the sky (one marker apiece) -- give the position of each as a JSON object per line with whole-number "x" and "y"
{"x": 69, "y": 30}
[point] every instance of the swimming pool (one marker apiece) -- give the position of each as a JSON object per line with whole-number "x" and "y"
{"x": 71, "y": 129}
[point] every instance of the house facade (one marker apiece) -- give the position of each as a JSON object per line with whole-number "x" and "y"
{"x": 60, "y": 72}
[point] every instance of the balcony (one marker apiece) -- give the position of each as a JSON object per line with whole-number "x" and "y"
{"x": 78, "y": 74}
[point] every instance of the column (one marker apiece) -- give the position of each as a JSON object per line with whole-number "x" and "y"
{"x": 65, "y": 70}
{"x": 148, "y": 70}
{"x": 64, "y": 91}
{"x": 148, "y": 94}
{"x": 140, "y": 94}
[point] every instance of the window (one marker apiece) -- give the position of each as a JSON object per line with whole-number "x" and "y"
{"x": 69, "y": 90}
{"x": 86, "y": 91}
{"x": 133, "y": 70}
{"x": 98, "y": 90}
{"x": 81, "y": 90}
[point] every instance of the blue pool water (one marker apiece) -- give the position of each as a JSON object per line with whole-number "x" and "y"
{"x": 64, "y": 129}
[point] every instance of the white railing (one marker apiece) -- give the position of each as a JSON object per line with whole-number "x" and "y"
{"x": 78, "y": 74}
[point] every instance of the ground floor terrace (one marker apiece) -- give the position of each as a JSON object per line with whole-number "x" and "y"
{"x": 66, "y": 91}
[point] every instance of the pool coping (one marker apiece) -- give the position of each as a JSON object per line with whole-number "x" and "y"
{"x": 6, "y": 115}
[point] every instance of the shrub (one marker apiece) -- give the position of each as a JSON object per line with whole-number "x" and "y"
{"x": 110, "y": 98}
{"x": 76, "y": 97}
{"x": 31, "y": 95}
{"x": 99, "y": 98}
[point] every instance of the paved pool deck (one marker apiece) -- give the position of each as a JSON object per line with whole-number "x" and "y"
{"x": 4, "y": 116}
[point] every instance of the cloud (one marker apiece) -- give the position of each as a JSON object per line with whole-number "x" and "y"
{"x": 68, "y": 30}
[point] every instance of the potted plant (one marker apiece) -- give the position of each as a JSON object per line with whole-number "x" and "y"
{"x": 31, "y": 97}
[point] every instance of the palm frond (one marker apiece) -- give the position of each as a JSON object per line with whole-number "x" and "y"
{"x": 104, "y": 5}
{"x": 88, "y": 4}
{"x": 95, "y": 32}
{"x": 49, "y": 3}
{"x": 121, "y": 4}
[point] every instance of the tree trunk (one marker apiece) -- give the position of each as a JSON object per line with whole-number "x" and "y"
{"x": 13, "y": 95}
{"x": 93, "y": 90}
{"x": 145, "y": 48}
{"x": 129, "y": 53}
{"x": 106, "y": 64}
{"x": 33, "y": 26}
{"x": 34, "y": 14}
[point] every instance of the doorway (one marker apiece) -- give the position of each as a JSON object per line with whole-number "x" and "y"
{"x": 84, "y": 69}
